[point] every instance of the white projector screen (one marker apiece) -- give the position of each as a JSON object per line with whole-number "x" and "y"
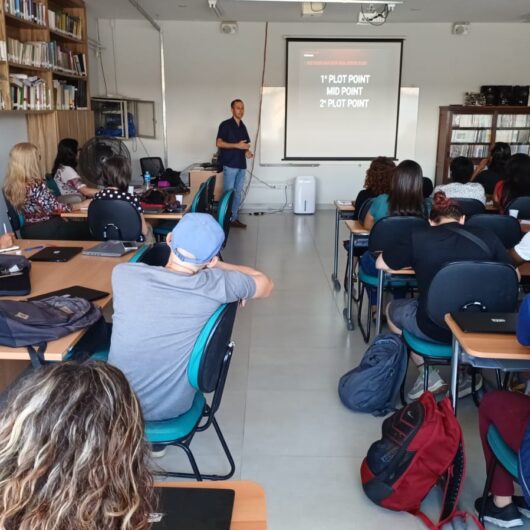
{"x": 342, "y": 99}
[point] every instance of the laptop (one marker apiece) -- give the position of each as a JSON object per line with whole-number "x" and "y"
{"x": 478, "y": 322}
{"x": 75, "y": 290}
{"x": 193, "y": 508}
{"x": 56, "y": 254}
{"x": 112, "y": 249}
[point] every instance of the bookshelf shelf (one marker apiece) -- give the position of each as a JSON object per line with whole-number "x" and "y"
{"x": 22, "y": 23}
{"x": 458, "y": 124}
{"x": 58, "y": 73}
{"x": 65, "y": 36}
{"x": 18, "y": 66}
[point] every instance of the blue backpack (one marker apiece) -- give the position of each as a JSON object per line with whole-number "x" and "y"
{"x": 374, "y": 385}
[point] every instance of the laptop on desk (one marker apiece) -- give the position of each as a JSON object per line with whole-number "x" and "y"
{"x": 112, "y": 249}
{"x": 473, "y": 322}
{"x": 56, "y": 254}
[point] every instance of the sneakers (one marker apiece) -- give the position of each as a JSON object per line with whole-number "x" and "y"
{"x": 158, "y": 451}
{"x": 436, "y": 384}
{"x": 464, "y": 384}
{"x": 507, "y": 517}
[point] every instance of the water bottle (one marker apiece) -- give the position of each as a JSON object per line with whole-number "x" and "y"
{"x": 147, "y": 180}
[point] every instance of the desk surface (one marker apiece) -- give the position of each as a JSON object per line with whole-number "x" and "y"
{"x": 357, "y": 228}
{"x": 489, "y": 345}
{"x": 249, "y": 503}
{"x": 88, "y": 271}
{"x": 345, "y": 206}
{"x": 83, "y": 214}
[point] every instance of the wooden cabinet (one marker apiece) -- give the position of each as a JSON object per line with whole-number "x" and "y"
{"x": 472, "y": 131}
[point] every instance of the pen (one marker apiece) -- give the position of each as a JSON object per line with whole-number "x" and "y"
{"x": 34, "y": 248}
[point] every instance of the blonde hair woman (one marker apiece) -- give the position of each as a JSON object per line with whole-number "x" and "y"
{"x": 72, "y": 452}
{"x": 26, "y": 190}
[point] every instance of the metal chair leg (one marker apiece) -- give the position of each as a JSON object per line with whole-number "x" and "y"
{"x": 425, "y": 377}
{"x": 364, "y": 332}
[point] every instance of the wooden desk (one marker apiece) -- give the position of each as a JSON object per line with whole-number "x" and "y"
{"x": 83, "y": 214}
{"x": 249, "y": 503}
{"x": 484, "y": 350}
{"x": 88, "y": 271}
{"x": 343, "y": 210}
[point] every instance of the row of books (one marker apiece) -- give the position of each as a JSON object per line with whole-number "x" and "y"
{"x": 29, "y": 93}
{"x": 525, "y": 149}
{"x": 472, "y": 120}
{"x": 2, "y": 101}
{"x": 46, "y": 55}
{"x": 471, "y": 135}
{"x": 27, "y": 10}
{"x": 65, "y": 23}
{"x": 471, "y": 151}
{"x": 3, "y": 50}
{"x": 513, "y": 120}
{"x": 68, "y": 96}
{"x": 513, "y": 136}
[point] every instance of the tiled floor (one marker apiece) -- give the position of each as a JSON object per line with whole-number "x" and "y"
{"x": 281, "y": 413}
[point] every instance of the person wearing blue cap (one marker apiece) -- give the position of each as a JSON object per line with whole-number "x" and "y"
{"x": 160, "y": 311}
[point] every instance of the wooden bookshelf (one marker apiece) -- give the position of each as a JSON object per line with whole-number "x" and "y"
{"x": 472, "y": 131}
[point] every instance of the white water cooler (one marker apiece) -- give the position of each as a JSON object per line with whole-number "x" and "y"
{"x": 305, "y": 191}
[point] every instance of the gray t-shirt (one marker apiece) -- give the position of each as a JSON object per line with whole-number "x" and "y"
{"x": 158, "y": 315}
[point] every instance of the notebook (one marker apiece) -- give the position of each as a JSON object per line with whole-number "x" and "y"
{"x": 471, "y": 322}
{"x": 75, "y": 290}
{"x": 111, "y": 249}
{"x": 193, "y": 508}
{"x": 57, "y": 254}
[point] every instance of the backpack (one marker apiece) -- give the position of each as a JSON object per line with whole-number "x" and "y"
{"x": 421, "y": 444}
{"x": 374, "y": 385}
{"x": 33, "y": 324}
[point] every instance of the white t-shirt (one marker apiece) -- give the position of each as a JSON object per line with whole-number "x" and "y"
{"x": 68, "y": 180}
{"x": 523, "y": 247}
{"x": 457, "y": 190}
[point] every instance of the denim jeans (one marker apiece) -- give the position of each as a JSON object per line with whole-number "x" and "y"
{"x": 234, "y": 179}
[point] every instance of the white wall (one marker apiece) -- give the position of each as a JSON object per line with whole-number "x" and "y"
{"x": 206, "y": 69}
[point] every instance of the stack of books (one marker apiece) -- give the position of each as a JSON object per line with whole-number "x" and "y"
{"x": 513, "y": 120}
{"x": 3, "y": 50}
{"x": 64, "y": 23}
{"x": 2, "y": 101}
{"x": 29, "y": 93}
{"x": 472, "y": 120}
{"x": 64, "y": 95}
{"x": 27, "y": 10}
{"x": 66, "y": 61}
{"x": 28, "y": 53}
{"x": 471, "y": 151}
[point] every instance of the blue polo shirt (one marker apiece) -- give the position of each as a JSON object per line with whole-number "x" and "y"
{"x": 232, "y": 133}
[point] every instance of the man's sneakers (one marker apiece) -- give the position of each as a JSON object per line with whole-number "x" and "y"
{"x": 237, "y": 224}
{"x": 464, "y": 384}
{"x": 158, "y": 450}
{"x": 436, "y": 384}
{"x": 507, "y": 517}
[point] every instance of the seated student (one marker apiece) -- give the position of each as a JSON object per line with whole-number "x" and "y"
{"x": 73, "y": 454}
{"x": 64, "y": 170}
{"x": 378, "y": 180}
{"x": 461, "y": 169}
{"x": 495, "y": 164}
{"x": 25, "y": 188}
{"x": 160, "y": 311}
{"x": 521, "y": 252}
{"x": 510, "y": 413}
{"x": 517, "y": 182}
{"x": 116, "y": 177}
{"x": 427, "y": 251}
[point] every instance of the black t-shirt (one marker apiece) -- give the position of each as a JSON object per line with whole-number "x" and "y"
{"x": 362, "y": 197}
{"x": 232, "y": 133}
{"x": 488, "y": 178}
{"x": 428, "y": 249}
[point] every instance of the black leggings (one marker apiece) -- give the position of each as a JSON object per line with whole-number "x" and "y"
{"x": 57, "y": 228}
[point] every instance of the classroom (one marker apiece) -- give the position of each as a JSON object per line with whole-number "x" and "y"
{"x": 349, "y": 107}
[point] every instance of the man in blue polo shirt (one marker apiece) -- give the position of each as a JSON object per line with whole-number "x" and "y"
{"x": 233, "y": 142}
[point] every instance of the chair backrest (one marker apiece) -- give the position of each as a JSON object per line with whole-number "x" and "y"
{"x": 52, "y": 185}
{"x": 224, "y": 212}
{"x": 200, "y": 201}
{"x": 16, "y": 219}
{"x": 472, "y": 285}
{"x": 365, "y": 208}
{"x": 390, "y": 229}
{"x": 210, "y": 349}
{"x": 471, "y": 207}
{"x": 114, "y": 219}
{"x": 157, "y": 255}
{"x": 522, "y": 204}
{"x": 507, "y": 228}
{"x": 153, "y": 164}
{"x": 210, "y": 185}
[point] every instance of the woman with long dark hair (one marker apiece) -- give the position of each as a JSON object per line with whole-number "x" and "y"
{"x": 496, "y": 166}
{"x": 517, "y": 183}
{"x": 64, "y": 170}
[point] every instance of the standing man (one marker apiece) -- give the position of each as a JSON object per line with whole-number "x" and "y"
{"x": 233, "y": 143}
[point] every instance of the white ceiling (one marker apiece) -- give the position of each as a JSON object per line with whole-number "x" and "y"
{"x": 240, "y": 10}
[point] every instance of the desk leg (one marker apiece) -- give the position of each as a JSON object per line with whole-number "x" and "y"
{"x": 334, "y": 279}
{"x": 380, "y": 278}
{"x": 454, "y": 372}
{"x": 349, "y": 320}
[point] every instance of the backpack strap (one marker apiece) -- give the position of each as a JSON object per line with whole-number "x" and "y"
{"x": 472, "y": 237}
{"x": 36, "y": 354}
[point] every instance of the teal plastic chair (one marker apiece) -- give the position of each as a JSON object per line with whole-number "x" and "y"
{"x": 210, "y": 190}
{"x": 200, "y": 201}
{"x": 207, "y": 371}
{"x": 224, "y": 213}
{"x": 463, "y": 286}
{"x": 52, "y": 185}
{"x": 504, "y": 455}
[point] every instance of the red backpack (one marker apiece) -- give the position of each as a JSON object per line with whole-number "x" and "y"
{"x": 421, "y": 444}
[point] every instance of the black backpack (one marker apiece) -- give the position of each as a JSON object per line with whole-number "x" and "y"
{"x": 34, "y": 324}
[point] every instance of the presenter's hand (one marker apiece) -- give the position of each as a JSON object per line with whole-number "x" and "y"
{"x": 249, "y": 153}
{"x": 242, "y": 145}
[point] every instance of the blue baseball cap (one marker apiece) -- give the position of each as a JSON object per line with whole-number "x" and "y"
{"x": 197, "y": 238}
